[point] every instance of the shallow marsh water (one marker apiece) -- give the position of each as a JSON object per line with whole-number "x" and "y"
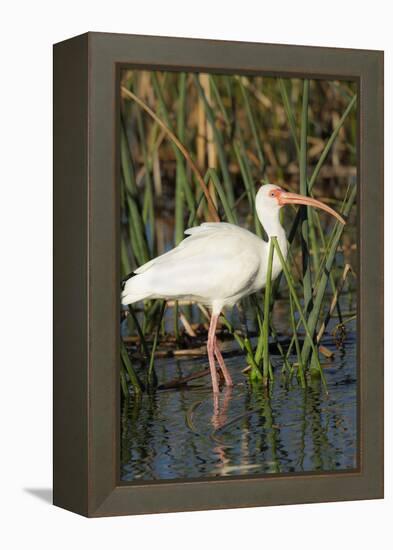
{"x": 184, "y": 433}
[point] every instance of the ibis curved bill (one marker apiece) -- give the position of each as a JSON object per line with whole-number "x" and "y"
{"x": 218, "y": 264}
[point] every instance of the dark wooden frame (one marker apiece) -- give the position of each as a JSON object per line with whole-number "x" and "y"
{"x": 86, "y": 273}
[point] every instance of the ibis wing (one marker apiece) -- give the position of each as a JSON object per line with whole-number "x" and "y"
{"x": 216, "y": 261}
{"x": 199, "y": 235}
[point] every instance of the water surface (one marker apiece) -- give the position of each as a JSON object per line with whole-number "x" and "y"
{"x": 186, "y": 434}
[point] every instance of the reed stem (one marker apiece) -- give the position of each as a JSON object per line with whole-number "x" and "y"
{"x": 291, "y": 287}
{"x": 325, "y": 271}
{"x": 180, "y": 146}
{"x": 130, "y": 369}
{"x": 151, "y": 376}
{"x": 305, "y": 212}
{"x": 266, "y": 316}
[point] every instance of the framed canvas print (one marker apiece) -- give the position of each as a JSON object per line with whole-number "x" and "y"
{"x": 218, "y": 274}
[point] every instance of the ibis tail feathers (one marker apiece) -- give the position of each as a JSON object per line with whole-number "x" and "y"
{"x": 127, "y": 299}
{"x": 134, "y": 290}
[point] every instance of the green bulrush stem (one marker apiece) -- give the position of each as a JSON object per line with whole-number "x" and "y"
{"x": 124, "y": 260}
{"x": 229, "y": 87}
{"x": 316, "y": 268}
{"x": 271, "y": 372}
{"x": 313, "y": 241}
{"x": 266, "y": 316}
{"x": 148, "y": 206}
{"x": 335, "y": 298}
{"x": 136, "y": 225}
{"x": 123, "y": 382}
{"x": 256, "y": 376}
{"x": 199, "y": 203}
{"x": 218, "y": 100}
{"x": 136, "y": 232}
{"x": 306, "y": 213}
{"x": 149, "y": 321}
{"x": 250, "y": 355}
{"x": 330, "y": 142}
{"x": 179, "y": 203}
{"x": 251, "y": 122}
{"x": 248, "y": 180}
{"x": 279, "y": 346}
{"x": 289, "y": 113}
{"x": 292, "y": 342}
{"x": 297, "y": 345}
{"x": 329, "y": 243}
{"x": 291, "y": 287}
{"x": 139, "y": 331}
{"x": 176, "y": 321}
{"x": 181, "y": 109}
{"x": 183, "y": 189}
{"x": 175, "y": 140}
{"x": 325, "y": 271}
{"x": 186, "y": 184}
{"x": 127, "y": 166}
{"x": 130, "y": 370}
{"x": 259, "y": 349}
{"x": 181, "y": 176}
{"x": 151, "y": 376}
{"x": 322, "y": 158}
{"x": 243, "y": 171}
{"x": 148, "y": 213}
{"x": 345, "y": 93}
{"x": 244, "y": 343}
{"x": 211, "y": 175}
{"x": 218, "y": 140}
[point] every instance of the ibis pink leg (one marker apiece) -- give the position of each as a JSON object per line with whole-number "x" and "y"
{"x": 221, "y": 362}
{"x": 210, "y": 351}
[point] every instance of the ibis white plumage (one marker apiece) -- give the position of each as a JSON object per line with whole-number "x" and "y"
{"x": 218, "y": 264}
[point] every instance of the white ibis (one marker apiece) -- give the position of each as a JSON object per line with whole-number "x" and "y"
{"x": 218, "y": 264}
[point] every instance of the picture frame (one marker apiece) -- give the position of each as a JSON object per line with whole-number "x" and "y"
{"x": 86, "y": 389}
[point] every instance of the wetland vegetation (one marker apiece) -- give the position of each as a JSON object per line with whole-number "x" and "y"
{"x": 195, "y": 148}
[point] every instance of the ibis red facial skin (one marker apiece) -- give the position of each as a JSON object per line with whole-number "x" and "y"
{"x": 293, "y": 198}
{"x": 218, "y": 264}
